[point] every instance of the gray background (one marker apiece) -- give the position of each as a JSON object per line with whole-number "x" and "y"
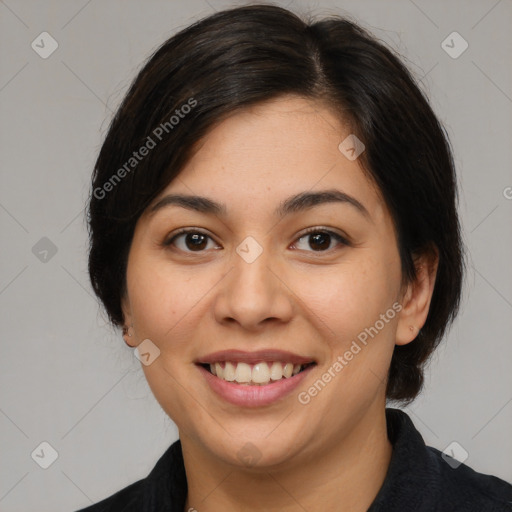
{"x": 67, "y": 379}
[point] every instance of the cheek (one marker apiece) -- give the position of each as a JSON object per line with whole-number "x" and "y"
{"x": 160, "y": 295}
{"x": 165, "y": 303}
{"x": 170, "y": 304}
{"x": 353, "y": 310}
{"x": 350, "y": 297}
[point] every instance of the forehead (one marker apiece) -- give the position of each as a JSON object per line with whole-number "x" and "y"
{"x": 270, "y": 151}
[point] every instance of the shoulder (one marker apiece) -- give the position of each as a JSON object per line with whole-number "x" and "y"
{"x": 129, "y": 498}
{"x": 423, "y": 479}
{"x": 464, "y": 489}
{"x": 165, "y": 488}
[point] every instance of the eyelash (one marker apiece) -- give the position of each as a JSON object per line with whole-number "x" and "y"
{"x": 342, "y": 241}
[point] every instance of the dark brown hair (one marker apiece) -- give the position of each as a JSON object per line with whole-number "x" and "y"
{"x": 240, "y": 57}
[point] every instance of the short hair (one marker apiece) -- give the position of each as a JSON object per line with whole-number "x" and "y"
{"x": 240, "y": 57}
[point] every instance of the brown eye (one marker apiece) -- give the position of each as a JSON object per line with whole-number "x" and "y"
{"x": 189, "y": 241}
{"x": 320, "y": 240}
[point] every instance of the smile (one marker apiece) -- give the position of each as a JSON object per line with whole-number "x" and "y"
{"x": 259, "y": 374}
{"x": 254, "y": 379}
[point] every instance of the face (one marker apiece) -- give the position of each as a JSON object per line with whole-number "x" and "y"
{"x": 267, "y": 284}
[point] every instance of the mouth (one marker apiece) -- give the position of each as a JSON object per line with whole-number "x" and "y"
{"x": 254, "y": 379}
{"x": 258, "y": 374}
{"x": 254, "y": 370}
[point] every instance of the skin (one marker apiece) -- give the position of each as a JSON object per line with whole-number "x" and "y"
{"x": 332, "y": 453}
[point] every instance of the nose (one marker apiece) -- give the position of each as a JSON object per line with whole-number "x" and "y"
{"x": 253, "y": 293}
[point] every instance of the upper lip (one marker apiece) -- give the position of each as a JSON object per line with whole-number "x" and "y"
{"x": 239, "y": 356}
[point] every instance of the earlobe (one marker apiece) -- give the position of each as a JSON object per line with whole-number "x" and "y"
{"x": 417, "y": 298}
{"x": 128, "y": 331}
{"x": 128, "y": 336}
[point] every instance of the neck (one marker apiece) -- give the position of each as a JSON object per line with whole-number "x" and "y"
{"x": 346, "y": 476}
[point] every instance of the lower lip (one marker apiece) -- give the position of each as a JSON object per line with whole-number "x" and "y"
{"x": 253, "y": 396}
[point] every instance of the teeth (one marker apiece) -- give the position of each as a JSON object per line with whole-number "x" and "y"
{"x": 276, "y": 371}
{"x": 259, "y": 374}
{"x": 243, "y": 372}
{"x": 229, "y": 372}
{"x": 219, "y": 371}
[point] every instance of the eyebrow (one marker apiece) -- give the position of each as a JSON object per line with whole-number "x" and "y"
{"x": 297, "y": 203}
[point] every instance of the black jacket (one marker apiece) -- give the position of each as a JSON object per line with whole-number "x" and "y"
{"x": 418, "y": 480}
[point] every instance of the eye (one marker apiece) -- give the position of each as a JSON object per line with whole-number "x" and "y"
{"x": 190, "y": 240}
{"x": 321, "y": 239}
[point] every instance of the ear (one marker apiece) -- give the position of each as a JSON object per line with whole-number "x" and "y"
{"x": 417, "y": 296}
{"x": 128, "y": 332}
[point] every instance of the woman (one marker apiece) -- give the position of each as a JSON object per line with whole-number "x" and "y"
{"x": 273, "y": 223}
